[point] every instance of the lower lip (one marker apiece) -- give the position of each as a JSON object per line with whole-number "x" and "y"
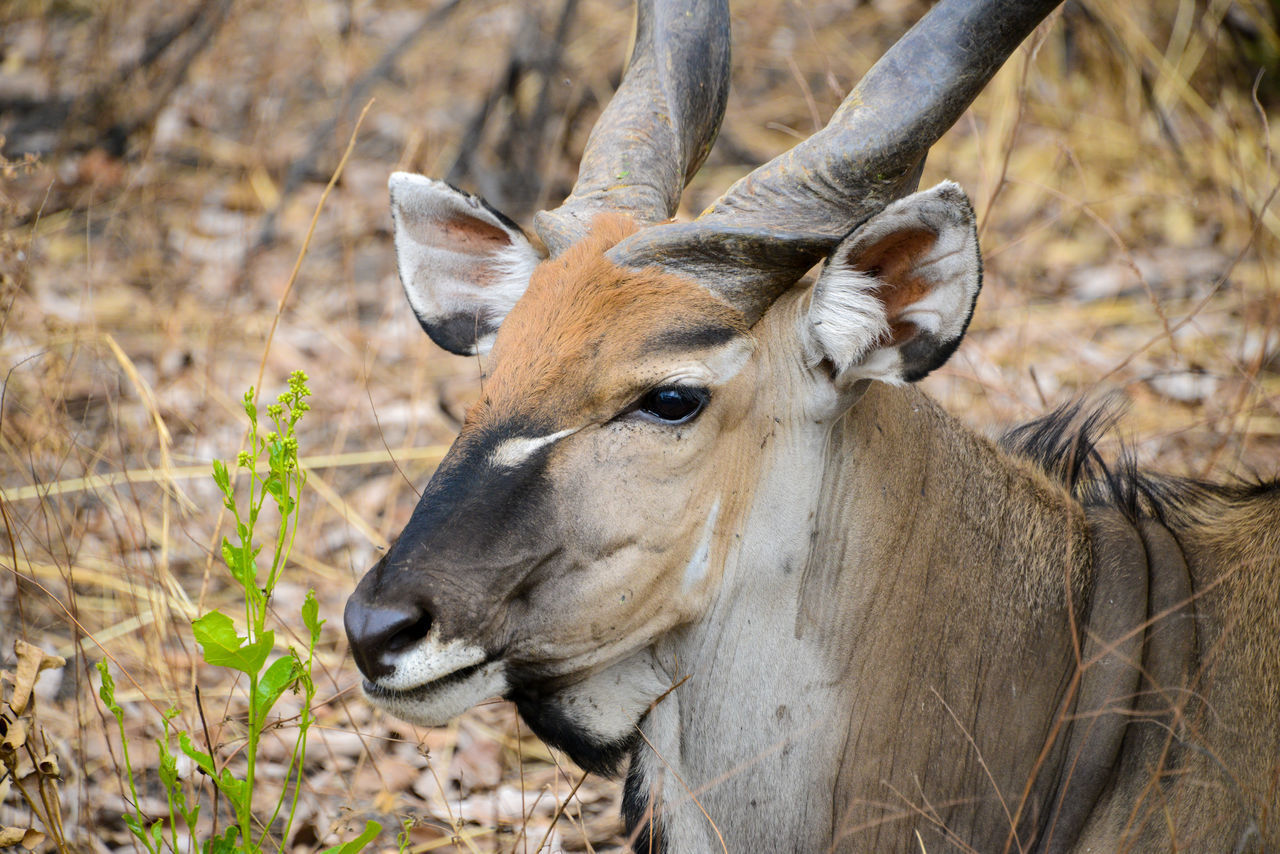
{"x": 373, "y": 689}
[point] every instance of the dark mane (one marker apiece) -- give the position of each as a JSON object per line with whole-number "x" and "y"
{"x": 1064, "y": 444}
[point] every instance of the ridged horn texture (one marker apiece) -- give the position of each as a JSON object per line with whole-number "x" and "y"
{"x": 777, "y": 222}
{"x": 659, "y": 125}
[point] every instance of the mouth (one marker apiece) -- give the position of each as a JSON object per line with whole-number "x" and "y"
{"x": 375, "y": 691}
{"x": 435, "y": 683}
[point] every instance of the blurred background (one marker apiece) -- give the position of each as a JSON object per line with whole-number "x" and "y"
{"x": 163, "y": 162}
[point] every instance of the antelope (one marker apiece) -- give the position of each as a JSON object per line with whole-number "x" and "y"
{"x": 703, "y": 530}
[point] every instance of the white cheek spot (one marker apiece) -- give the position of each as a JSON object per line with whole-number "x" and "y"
{"x": 513, "y": 452}
{"x": 696, "y": 569}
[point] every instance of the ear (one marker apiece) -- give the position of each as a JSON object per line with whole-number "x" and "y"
{"x": 463, "y": 264}
{"x": 896, "y": 295}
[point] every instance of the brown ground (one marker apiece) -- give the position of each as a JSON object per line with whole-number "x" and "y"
{"x": 1123, "y": 173}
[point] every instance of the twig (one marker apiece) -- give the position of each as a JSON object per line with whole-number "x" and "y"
{"x": 203, "y": 22}
{"x": 382, "y": 437}
{"x": 1012, "y": 141}
{"x": 559, "y": 810}
{"x": 208, "y": 19}
{"x": 208, "y": 742}
{"x": 321, "y": 136}
{"x": 693, "y": 796}
{"x": 982, "y": 763}
{"x": 306, "y": 243}
{"x": 522, "y": 143}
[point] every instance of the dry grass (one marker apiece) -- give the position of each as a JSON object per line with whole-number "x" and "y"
{"x": 1122, "y": 170}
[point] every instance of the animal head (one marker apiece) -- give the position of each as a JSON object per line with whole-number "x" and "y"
{"x": 646, "y": 380}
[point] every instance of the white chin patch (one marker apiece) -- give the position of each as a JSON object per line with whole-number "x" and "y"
{"x": 435, "y": 681}
{"x": 436, "y": 703}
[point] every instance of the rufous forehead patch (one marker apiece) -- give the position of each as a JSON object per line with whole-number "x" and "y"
{"x": 587, "y": 333}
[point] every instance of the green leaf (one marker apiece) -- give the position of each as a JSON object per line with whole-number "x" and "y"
{"x": 157, "y": 830}
{"x": 222, "y": 647}
{"x": 231, "y": 556}
{"x": 252, "y": 656}
{"x": 224, "y": 844}
{"x": 189, "y": 816}
{"x": 108, "y": 693}
{"x": 232, "y": 786}
{"x": 280, "y": 677}
{"x": 311, "y": 616}
{"x": 371, "y": 831}
{"x": 135, "y": 827}
{"x": 216, "y": 629}
{"x": 221, "y": 477}
{"x": 275, "y": 453}
{"x": 168, "y": 769}
{"x": 241, "y": 561}
{"x": 275, "y": 487}
{"x": 203, "y": 760}
{"x": 278, "y": 488}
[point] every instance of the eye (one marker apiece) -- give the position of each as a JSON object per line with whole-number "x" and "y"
{"x": 674, "y": 404}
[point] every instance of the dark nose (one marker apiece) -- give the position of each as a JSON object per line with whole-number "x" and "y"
{"x": 377, "y": 633}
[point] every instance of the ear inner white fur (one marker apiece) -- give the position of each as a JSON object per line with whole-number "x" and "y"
{"x": 462, "y": 263}
{"x": 896, "y": 295}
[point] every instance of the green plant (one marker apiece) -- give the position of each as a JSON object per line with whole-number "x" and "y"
{"x": 223, "y": 645}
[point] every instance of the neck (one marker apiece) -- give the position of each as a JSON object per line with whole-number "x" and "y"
{"x": 878, "y": 649}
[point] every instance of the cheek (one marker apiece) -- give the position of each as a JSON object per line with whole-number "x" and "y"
{"x": 634, "y": 510}
{"x": 641, "y": 484}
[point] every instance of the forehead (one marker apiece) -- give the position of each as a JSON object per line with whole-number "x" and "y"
{"x": 587, "y": 331}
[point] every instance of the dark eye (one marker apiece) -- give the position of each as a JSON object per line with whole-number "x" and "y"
{"x": 674, "y": 404}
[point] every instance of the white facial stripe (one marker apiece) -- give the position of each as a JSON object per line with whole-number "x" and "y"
{"x": 513, "y": 452}
{"x": 696, "y": 569}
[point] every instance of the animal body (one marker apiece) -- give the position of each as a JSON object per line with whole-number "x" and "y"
{"x": 704, "y": 531}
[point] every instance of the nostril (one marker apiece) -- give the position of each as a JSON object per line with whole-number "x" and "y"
{"x": 377, "y": 633}
{"x": 407, "y": 637}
